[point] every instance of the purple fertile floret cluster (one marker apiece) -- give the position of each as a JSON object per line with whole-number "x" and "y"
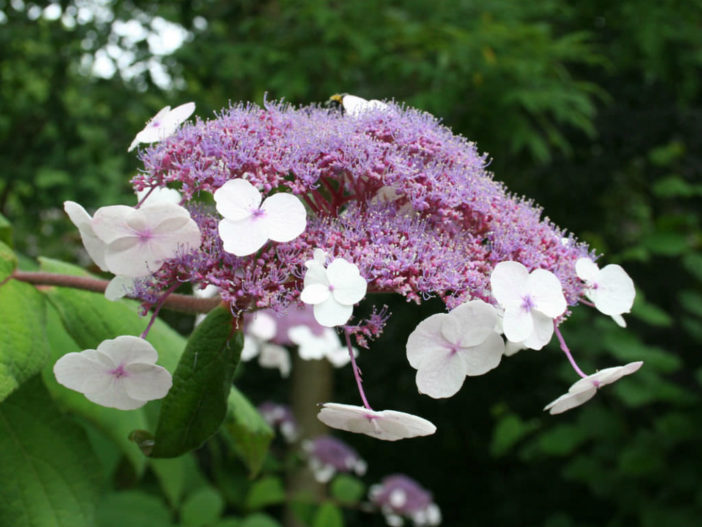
{"x": 392, "y": 190}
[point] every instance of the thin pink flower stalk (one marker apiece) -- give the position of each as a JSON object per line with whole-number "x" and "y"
{"x": 356, "y": 369}
{"x": 567, "y": 352}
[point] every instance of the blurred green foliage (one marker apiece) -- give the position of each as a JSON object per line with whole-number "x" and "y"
{"x": 592, "y": 108}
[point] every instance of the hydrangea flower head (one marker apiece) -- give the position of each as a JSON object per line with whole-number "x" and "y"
{"x": 121, "y": 373}
{"x": 328, "y": 456}
{"x": 399, "y": 497}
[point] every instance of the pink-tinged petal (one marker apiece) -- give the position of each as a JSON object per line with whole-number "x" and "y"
{"x": 83, "y": 372}
{"x": 119, "y": 287}
{"x": 546, "y": 292}
{"x": 110, "y": 223}
{"x": 115, "y": 396}
{"x": 349, "y": 286}
{"x": 542, "y": 333}
{"x": 484, "y": 357}
{"x": 508, "y": 282}
{"x": 517, "y": 324}
{"x": 93, "y": 245}
{"x": 400, "y": 425}
{"x": 426, "y": 339}
{"x": 285, "y": 217}
{"x": 571, "y": 400}
{"x": 146, "y": 382}
{"x": 126, "y": 349}
{"x": 315, "y": 274}
{"x": 387, "y": 424}
{"x": 173, "y": 119}
{"x": 330, "y": 313}
{"x": 242, "y": 238}
{"x": 615, "y": 291}
{"x": 237, "y": 199}
{"x": 607, "y": 375}
{"x": 586, "y": 270}
{"x": 315, "y": 294}
{"x": 127, "y": 257}
{"x": 150, "y": 133}
{"x": 475, "y": 319}
{"x": 441, "y": 374}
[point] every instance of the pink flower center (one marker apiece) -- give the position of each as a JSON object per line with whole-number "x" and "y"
{"x": 145, "y": 236}
{"x": 258, "y": 213}
{"x": 527, "y": 303}
{"x": 119, "y": 372}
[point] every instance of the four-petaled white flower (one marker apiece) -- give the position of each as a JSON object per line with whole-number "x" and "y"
{"x": 248, "y": 224}
{"x": 355, "y": 106}
{"x": 137, "y": 241}
{"x": 332, "y": 290}
{"x": 312, "y": 346}
{"x": 163, "y": 124}
{"x": 388, "y": 425}
{"x": 530, "y": 301}
{"x": 585, "y": 389}
{"x": 121, "y": 373}
{"x": 610, "y": 288}
{"x": 444, "y": 348}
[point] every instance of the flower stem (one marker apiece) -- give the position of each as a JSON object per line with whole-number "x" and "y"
{"x": 356, "y": 370}
{"x": 565, "y": 349}
{"x": 157, "y": 308}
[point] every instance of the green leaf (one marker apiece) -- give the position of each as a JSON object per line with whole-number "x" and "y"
{"x": 201, "y": 508}
{"x": 259, "y": 520}
{"x": 628, "y": 348}
{"x": 176, "y": 476}
{"x": 666, "y": 243}
{"x": 114, "y": 423}
{"x": 8, "y": 261}
{"x": 132, "y": 509}
{"x": 347, "y": 489}
{"x": 50, "y": 477}
{"x": 509, "y": 430}
{"x": 23, "y": 346}
{"x": 328, "y": 515}
{"x": 196, "y": 405}
{"x": 264, "y": 492}
{"x": 247, "y": 432}
{"x": 5, "y": 231}
{"x": 650, "y": 313}
{"x": 90, "y": 318}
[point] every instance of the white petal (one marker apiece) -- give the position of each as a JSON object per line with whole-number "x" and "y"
{"x": 441, "y": 374}
{"x": 315, "y": 274}
{"x": 426, "y": 340}
{"x": 349, "y": 286}
{"x": 274, "y": 356}
{"x": 244, "y": 237}
{"x": 542, "y": 333}
{"x": 388, "y": 424}
{"x": 250, "y": 349}
{"x": 82, "y": 372}
{"x": 571, "y": 400}
{"x": 176, "y": 117}
{"x": 262, "y": 326}
{"x": 127, "y": 349}
{"x": 330, "y": 313}
{"x": 508, "y": 282}
{"x": 310, "y": 346}
{"x": 285, "y": 217}
{"x": 119, "y": 287}
{"x": 512, "y": 348}
{"x": 149, "y": 133}
{"x": 128, "y": 257}
{"x": 146, "y": 382}
{"x": 93, "y": 245}
{"x": 484, "y": 357}
{"x": 619, "y": 320}
{"x": 355, "y": 106}
{"x": 115, "y": 396}
{"x": 586, "y": 269}
{"x": 159, "y": 195}
{"x": 615, "y": 291}
{"x": 546, "y": 292}
{"x": 518, "y": 324}
{"x": 607, "y": 375}
{"x": 237, "y": 199}
{"x": 110, "y": 223}
{"x": 475, "y": 319}
{"x": 315, "y": 294}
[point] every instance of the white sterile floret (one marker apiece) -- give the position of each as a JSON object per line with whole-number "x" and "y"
{"x": 355, "y": 106}
{"x": 159, "y": 195}
{"x": 92, "y": 243}
{"x": 530, "y": 301}
{"x": 445, "y": 348}
{"x": 388, "y": 425}
{"x": 610, "y": 288}
{"x": 163, "y": 124}
{"x": 248, "y": 224}
{"x": 138, "y": 241}
{"x": 259, "y": 331}
{"x": 332, "y": 290}
{"x": 312, "y": 346}
{"x": 585, "y": 389}
{"x": 121, "y": 373}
